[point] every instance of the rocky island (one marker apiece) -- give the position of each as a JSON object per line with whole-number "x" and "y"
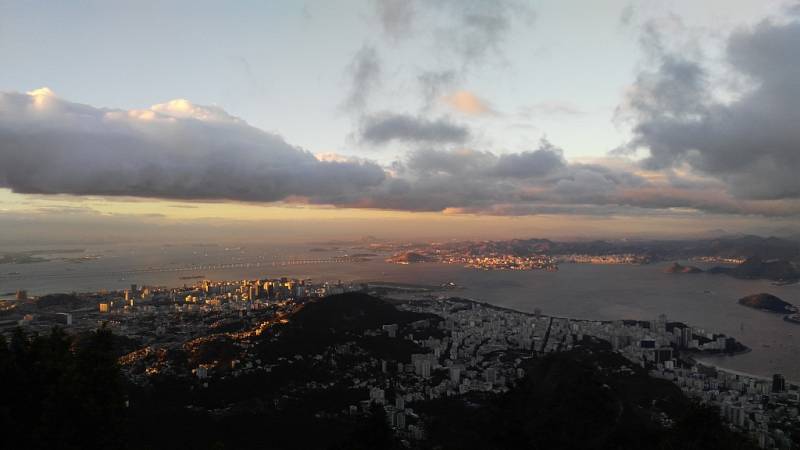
{"x": 754, "y": 268}
{"x": 409, "y": 258}
{"x": 767, "y": 302}
{"x": 678, "y": 268}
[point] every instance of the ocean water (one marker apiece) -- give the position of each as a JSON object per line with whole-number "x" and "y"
{"x": 603, "y": 292}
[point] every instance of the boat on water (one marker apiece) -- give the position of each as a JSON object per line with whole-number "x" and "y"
{"x": 793, "y": 318}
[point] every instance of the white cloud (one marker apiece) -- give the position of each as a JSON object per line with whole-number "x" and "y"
{"x": 180, "y": 150}
{"x": 171, "y": 150}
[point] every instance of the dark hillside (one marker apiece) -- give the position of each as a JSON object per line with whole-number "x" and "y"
{"x": 582, "y": 399}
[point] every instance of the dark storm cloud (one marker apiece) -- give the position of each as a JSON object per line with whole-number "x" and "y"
{"x": 543, "y": 161}
{"x": 386, "y": 127}
{"x": 751, "y": 143}
{"x": 471, "y": 180}
{"x": 178, "y": 150}
{"x": 175, "y": 150}
{"x": 542, "y": 182}
{"x": 364, "y": 72}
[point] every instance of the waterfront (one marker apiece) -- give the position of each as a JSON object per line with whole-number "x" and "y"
{"x": 603, "y": 292}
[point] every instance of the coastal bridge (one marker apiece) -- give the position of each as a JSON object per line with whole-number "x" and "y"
{"x": 247, "y": 265}
{"x": 214, "y": 266}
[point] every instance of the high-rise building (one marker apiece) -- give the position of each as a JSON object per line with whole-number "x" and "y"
{"x": 686, "y": 337}
{"x": 491, "y": 375}
{"x": 22, "y": 294}
{"x": 390, "y": 329}
{"x": 661, "y": 323}
{"x": 376, "y": 395}
{"x": 778, "y": 383}
{"x": 426, "y": 369}
{"x": 663, "y": 354}
{"x": 455, "y": 375}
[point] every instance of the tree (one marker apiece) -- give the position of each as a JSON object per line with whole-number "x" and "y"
{"x": 59, "y": 396}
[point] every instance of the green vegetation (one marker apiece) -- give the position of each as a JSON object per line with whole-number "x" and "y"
{"x": 341, "y": 319}
{"x": 767, "y": 302}
{"x": 582, "y": 399}
{"x": 59, "y": 395}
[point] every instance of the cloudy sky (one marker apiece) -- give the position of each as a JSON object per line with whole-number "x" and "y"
{"x": 398, "y": 118}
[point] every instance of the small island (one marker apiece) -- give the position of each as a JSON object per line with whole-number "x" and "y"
{"x": 410, "y": 258}
{"x": 767, "y": 302}
{"x": 678, "y": 268}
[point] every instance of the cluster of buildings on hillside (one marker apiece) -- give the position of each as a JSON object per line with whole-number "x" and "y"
{"x": 508, "y": 261}
{"x": 475, "y": 347}
{"x": 503, "y": 262}
{"x": 134, "y": 311}
{"x": 765, "y": 409}
{"x": 618, "y": 258}
{"x": 478, "y": 349}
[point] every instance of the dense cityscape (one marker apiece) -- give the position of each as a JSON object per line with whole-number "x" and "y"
{"x": 453, "y": 347}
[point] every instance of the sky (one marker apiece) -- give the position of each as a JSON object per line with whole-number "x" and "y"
{"x": 291, "y": 120}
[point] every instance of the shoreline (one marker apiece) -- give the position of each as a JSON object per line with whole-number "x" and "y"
{"x": 739, "y": 372}
{"x": 693, "y": 356}
{"x": 438, "y": 291}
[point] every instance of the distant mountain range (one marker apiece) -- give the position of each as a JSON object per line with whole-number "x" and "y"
{"x": 743, "y": 247}
{"x": 756, "y": 268}
{"x": 751, "y": 269}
